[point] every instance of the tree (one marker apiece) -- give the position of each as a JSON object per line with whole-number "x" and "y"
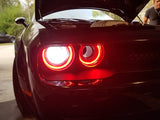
{"x": 9, "y": 11}
{"x": 8, "y": 3}
{"x": 29, "y": 8}
{"x": 8, "y": 15}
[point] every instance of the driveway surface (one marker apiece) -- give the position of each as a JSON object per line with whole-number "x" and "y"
{"x": 8, "y": 106}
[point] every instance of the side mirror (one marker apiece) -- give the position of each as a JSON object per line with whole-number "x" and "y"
{"x": 21, "y": 20}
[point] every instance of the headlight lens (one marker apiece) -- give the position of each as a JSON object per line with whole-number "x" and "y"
{"x": 58, "y": 57}
{"x": 91, "y": 55}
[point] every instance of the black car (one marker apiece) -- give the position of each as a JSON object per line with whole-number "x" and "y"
{"x": 69, "y": 68}
{"x": 4, "y": 38}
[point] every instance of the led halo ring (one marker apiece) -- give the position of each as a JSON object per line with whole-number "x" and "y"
{"x": 96, "y": 55}
{"x": 69, "y": 52}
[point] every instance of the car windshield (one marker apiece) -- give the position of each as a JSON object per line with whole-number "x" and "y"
{"x": 83, "y": 14}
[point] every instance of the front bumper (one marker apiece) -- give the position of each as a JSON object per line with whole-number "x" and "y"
{"x": 132, "y": 95}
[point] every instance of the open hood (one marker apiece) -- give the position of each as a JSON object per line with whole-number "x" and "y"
{"x": 127, "y": 9}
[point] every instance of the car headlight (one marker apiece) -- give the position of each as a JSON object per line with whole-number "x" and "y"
{"x": 91, "y": 55}
{"x": 58, "y": 57}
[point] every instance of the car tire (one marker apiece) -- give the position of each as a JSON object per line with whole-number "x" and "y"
{"x": 24, "y": 103}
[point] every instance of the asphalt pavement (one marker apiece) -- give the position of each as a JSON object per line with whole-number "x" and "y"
{"x": 8, "y": 106}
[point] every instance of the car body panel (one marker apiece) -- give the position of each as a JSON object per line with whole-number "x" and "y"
{"x": 128, "y": 75}
{"x": 139, "y": 74}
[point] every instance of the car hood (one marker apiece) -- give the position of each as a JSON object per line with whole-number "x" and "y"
{"x": 127, "y": 9}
